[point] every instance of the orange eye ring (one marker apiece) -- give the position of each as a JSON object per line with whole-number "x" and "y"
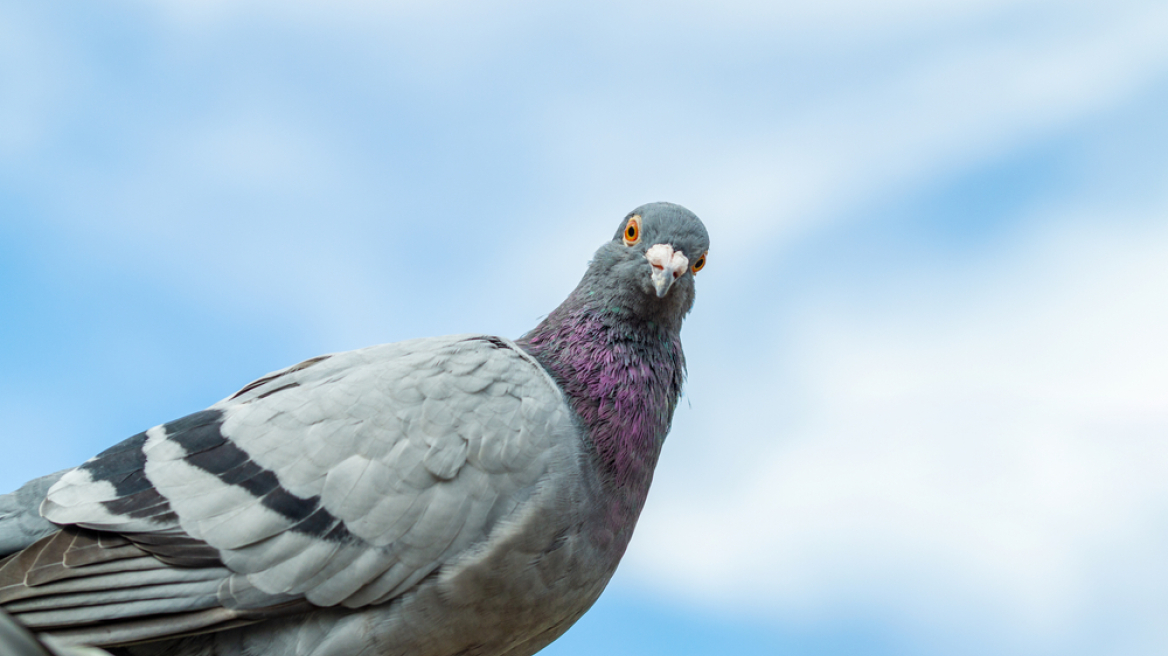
{"x": 632, "y": 233}
{"x": 699, "y": 264}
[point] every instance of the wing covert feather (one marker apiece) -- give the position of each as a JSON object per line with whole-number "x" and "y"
{"x": 346, "y": 479}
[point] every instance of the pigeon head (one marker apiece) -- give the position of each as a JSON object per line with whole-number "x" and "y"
{"x": 650, "y": 264}
{"x": 614, "y": 345}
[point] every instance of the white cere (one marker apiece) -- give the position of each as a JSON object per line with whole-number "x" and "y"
{"x": 664, "y": 258}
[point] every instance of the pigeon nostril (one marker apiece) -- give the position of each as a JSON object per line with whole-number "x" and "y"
{"x": 658, "y": 267}
{"x": 676, "y": 274}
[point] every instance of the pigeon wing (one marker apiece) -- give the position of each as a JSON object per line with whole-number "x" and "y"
{"x": 21, "y": 523}
{"x": 344, "y": 480}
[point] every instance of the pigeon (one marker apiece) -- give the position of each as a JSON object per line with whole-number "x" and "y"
{"x": 467, "y": 494}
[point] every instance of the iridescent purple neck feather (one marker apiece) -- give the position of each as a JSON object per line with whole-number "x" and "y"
{"x": 614, "y": 348}
{"x": 622, "y": 376}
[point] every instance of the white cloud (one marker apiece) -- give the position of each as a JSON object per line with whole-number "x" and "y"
{"x": 784, "y": 18}
{"x": 890, "y": 126}
{"x": 34, "y": 67}
{"x": 895, "y": 126}
{"x": 983, "y": 462}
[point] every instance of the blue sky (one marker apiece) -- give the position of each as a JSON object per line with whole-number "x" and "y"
{"x": 928, "y": 384}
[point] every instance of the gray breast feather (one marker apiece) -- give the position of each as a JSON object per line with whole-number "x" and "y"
{"x": 344, "y": 480}
{"x": 21, "y": 523}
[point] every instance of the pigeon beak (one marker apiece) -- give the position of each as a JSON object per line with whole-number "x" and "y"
{"x": 668, "y": 265}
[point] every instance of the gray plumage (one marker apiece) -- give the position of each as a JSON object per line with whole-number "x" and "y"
{"x": 453, "y": 495}
{"x": 21, "y": 522}
{"x": 16, "y": 640}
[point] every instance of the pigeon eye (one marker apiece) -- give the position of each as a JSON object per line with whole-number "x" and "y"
{"x": 697, "y": 266}
{"x": 633, "y": 230}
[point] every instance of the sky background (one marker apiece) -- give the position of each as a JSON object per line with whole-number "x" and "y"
{"x": 928, "y": 382}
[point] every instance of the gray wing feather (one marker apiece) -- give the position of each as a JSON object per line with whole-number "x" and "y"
{"x": 341, "y": 481}
{"x": 15, "y": 640}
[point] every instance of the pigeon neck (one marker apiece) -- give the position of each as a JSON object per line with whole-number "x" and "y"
{"x": 622, "y": 375}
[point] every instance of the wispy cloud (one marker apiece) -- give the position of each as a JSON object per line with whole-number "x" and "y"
{"x": 984, "y": 460}
{"x": 963, "y": 448}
